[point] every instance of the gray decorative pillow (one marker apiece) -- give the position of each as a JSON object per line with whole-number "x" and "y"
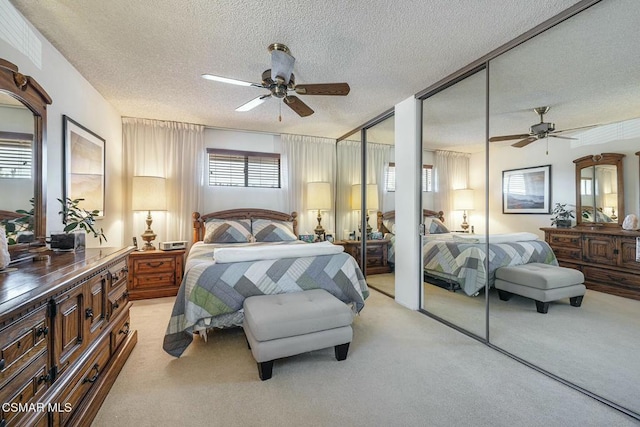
{"x": 267, "y": 230}
{"x": 435, "y": 226}
{"x": 227, "y": 231}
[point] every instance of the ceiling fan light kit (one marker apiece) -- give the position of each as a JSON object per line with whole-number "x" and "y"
{"x": 280, "y": 80}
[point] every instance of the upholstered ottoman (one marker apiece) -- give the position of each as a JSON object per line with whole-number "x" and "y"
{"x": 542, "y": 283}
{"x": 284, "y": 325}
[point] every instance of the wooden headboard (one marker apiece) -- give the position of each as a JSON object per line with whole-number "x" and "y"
{"x": 426, "y": 213}
{"x": 199, "y": 220}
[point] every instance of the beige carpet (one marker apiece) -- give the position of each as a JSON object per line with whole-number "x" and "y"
{"x": 403, "y": 369}
{"x": 595, "y": 346}
{"x": 385, "y": 283}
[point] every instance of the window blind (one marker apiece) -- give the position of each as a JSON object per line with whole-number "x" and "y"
{"x": 390, "y": 177}
{"x": 15, "y": 159}
{"x": 243, "y": 169}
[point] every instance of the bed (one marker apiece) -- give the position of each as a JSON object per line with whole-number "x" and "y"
{"x": 213, "y": 290}
{"x": 457, "y": 260}
{"x": 386, "y": 225}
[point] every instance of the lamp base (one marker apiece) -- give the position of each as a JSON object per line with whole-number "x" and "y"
{"x": 465, "y": 224}
{"x": 319, "y": 230}
{"x": 148, "y": 236}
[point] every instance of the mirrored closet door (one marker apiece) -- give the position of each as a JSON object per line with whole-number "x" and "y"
{"x": 453, "y": 175}
{"x": 585, "y": 70}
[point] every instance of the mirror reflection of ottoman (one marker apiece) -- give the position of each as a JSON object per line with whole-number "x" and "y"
{"x": 541, "y": 282}
{"x": 284, "y": 325}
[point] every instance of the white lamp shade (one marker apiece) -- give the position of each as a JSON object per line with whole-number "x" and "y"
{"x": 372, "y": 197}
{"x": 149, "y": 193}
{"x": 463, "y": 199}
{"x": 319, "y": 196}
{"x": 611, "y": 200}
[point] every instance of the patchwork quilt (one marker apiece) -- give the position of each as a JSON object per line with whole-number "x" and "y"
{"x": 464, "y": 263}
{"x": 211, "y": 294}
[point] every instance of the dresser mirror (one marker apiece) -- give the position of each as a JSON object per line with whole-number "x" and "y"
{"x": 22, "y": 146}
{"x": 600, "y": 190}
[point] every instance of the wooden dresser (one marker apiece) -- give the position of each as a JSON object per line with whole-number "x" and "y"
{"x": 606, "y": 256}
{"x": 154, "y": 274}
{"x": 377, "y": 254}
{"x": 64, "y": 336}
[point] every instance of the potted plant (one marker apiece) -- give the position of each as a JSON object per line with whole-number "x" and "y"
{"x": 562, "y": 216}
{"x": 75, "y": 218}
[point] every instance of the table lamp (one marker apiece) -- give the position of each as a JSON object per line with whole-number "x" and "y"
{"x": 463, "y": 201}
{"x": 149, "y": 194}
{"x": 319, "y": 198}
{"x": 372, "y": 200}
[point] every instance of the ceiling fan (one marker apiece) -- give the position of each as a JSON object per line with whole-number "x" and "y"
{"x": 537, "y": 131}
{"x": 280, "y": 81}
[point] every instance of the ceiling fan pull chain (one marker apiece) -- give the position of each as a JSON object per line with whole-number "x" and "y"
{"x": 280, "y": 113}
{"x": 547, "y": 138}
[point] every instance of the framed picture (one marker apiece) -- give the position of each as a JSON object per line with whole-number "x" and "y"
{"x": 527, "y": 191}
{"x": 84, "y": 166}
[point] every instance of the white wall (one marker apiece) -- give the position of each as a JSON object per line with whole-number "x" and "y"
{"x": 408, "y": 167}
{"x": 222, "y": 198}
{"x": 74, "y": 96}
{"x": 560, "y": 157}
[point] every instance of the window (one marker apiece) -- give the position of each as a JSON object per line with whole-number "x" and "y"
{"x": 243, "y": 169}
{"x": 390, "y": 177}
{"x": 15, "y": 157}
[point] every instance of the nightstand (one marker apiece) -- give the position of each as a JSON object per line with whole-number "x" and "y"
{"x": 154, "y": 274}
{"x": 377, "y": 254}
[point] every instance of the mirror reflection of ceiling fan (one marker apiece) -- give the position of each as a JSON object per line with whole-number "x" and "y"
{"x": 537, "y": 131}
{"x": 280, "y": 82}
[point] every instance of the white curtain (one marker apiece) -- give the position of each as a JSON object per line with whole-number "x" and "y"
{"x": 378, "y": 157}
{"x": 176, "y": 152}
{"x": 451, "y": 172}
{"x": 307, "y": 159}
{"x": 349, "y": 172}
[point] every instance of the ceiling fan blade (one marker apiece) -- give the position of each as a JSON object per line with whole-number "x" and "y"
{"x": 253, "y": 103}
{"x": 560, "y": 137}
{"x": 323, "y": 89}
{"x": 302, "y": 109}
{"x": 508, "y": 137}
{"x": 230, "y": 81}
{"x": 524, "y": 142}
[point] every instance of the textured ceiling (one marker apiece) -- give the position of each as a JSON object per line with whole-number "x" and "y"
{"x": 146, "y": 56}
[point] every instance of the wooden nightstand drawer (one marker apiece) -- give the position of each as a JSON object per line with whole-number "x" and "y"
{"x": 142, "y": 281}
{"x": 154, "y": 265}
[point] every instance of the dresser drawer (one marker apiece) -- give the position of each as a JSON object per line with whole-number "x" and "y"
{"x": 118, "y": 274}
{"x": 21, "y": 342}
{"x": 612, "y": 277}
{"x": 570, "y": 254}
{"x": 83, "y": 380}
{"x": 25, "y": 388}
{"x": 120, "y": 332}
{"x": 118, "y": 300}
{"x": 156, "y": 264}
{"x": 562, "y": 240}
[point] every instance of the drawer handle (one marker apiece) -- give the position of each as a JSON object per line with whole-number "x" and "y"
{"x": 154, "y": 264}
{"x": 93, "y": 378}
{"x": 115, "y": 305}
{"x": 44, "y": 378}
{"x": 124, "y": 330}
{"x": 88, "y": 313}
{"x": 125, "y": 294}
{"x": 42, "y": 331}
{"x": 2, "y": 363}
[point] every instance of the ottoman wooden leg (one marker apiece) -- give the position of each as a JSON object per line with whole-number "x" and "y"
{"x": 265, "y": 370}
{"x": 504, "y": 295}
{"x": 576, "y": 301}
{"x": 341, "y": 351}
{"x": 542, "y": 307}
